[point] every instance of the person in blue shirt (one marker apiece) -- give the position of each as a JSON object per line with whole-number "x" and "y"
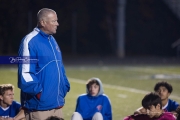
{"x": 94, "y": 105}
{"x": 8, "y": 107}
{"x": 164, "y": 90}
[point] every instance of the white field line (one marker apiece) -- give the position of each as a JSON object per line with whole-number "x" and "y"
{"x": 122, "y": 96}
{"x": 133, "y": 90}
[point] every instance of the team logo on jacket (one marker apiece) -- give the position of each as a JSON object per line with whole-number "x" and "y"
{"x": 57, "y": 48}
{"x": 99, "y": 107}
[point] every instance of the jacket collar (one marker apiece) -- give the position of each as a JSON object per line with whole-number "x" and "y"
{"x": 42, "y": 33}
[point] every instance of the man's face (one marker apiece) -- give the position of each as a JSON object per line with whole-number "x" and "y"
{"x": 50, "y": 24}
{"x": 7, "y": 98}
{"x": 153, "y": 111}
{"x": 94, "y": 89}
{"x": 163, "y": 92}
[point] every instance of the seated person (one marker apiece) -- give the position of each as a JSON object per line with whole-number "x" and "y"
{"x": 153, "y": 105}
{"x": 94, "y": 105}
{"x": 164, "y": 89}
{"x": 8, "y": 107}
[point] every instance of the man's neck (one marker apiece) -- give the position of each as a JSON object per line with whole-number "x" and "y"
{"x": 164, "y": 102}
{"x": 3, "y": 105}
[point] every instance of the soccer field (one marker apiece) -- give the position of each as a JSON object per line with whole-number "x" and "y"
{"x": 125, "y": 85}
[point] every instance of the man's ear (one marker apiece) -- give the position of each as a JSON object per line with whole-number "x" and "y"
{"x": 169, "y": 94}
{"x": 1, "y": 97}
{"x": 42, "y": 23}
{"x": 158, "y": 106}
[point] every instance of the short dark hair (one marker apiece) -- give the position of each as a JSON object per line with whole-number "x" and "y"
{"x": 54, "y": 118}
{"x": 91, "y": 82}
{"x": 5, "y": 87}
{"x": 178, "y": 118}
{"x": 151, "y": 99}
{"x": 164, "y": 84}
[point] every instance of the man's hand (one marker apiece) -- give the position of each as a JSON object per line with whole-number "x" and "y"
{"x": 140, "y": 110}
{"x": 8, "y": 118}
{"x": 178, "y": 110}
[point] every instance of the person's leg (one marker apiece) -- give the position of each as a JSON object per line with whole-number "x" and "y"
{"x": 38, "y": 115}
{"x": 43, "y": 115}
{"x": 76, "y": 116}
{"x": 57, "y": 113}
{"x": 27, "y": 115}
{"x": 97, "y": 116}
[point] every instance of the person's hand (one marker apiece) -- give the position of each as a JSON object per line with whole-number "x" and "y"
{"x": 8, "y": 118}
{"x": 174, "y": 113}
{"x": 178, "y": 110}
{"x": 1, "y": 118}
{"x": 141, "y": 110}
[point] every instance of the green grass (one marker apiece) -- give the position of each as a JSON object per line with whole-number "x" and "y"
{"x": 123, "y": 101}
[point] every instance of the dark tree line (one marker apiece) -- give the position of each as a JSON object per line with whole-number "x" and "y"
{"x": 18, "y": 17}
{"x": 89, "y": 26}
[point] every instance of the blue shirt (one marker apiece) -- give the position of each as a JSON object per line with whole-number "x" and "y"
{"x": 12, "y": 111}
{"x": 171, "y": 106}
{"x": 88, "y": 105}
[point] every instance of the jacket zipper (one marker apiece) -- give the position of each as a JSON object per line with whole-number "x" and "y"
{"x": 57, "y": 68}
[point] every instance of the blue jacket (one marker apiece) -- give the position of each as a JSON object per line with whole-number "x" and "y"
{"x": 46, "y": 76}
{"x": 88, "y": 105}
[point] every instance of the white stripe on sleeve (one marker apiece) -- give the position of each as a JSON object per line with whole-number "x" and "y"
{"x": 26, "y": 67}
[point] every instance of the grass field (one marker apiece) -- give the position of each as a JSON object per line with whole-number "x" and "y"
{"x": 125, "y": 85}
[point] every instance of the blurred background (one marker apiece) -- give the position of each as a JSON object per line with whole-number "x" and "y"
{"x": 118, "y": 28}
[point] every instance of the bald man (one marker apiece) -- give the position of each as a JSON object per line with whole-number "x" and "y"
{"x": 41, "y": 76}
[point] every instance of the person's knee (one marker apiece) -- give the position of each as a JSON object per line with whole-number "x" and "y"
{"x": 76, "y": 116}
{"x": 97, "y": 116}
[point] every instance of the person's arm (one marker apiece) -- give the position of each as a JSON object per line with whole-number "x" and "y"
{"x": 108, "y": 109}
{"x": 1, "y": 118}
{"x": 67, "y": 85}
{"x": 65, "y": 79}
{"x": 64, "y": 75}
{"x": 140, "y": 110}
{"x": 175, "y": 108}
{"x": 77, "y": 109}
{"x": 27, "y": 80}
{"x": 173, "y": 117}
{"x": 177, "y": 111}
{"x": 20, "y": 115}
{"x": 128, "y": 118}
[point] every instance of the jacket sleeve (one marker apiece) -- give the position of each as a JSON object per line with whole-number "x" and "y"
{"x": 27, "y": 80}
{"x": 77, "y": 109}
{"x": 108, "y": 109}
{"x": 175, "y": 106}
{"x": 64, "y": 74}
{"x": 65, "y": 79}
